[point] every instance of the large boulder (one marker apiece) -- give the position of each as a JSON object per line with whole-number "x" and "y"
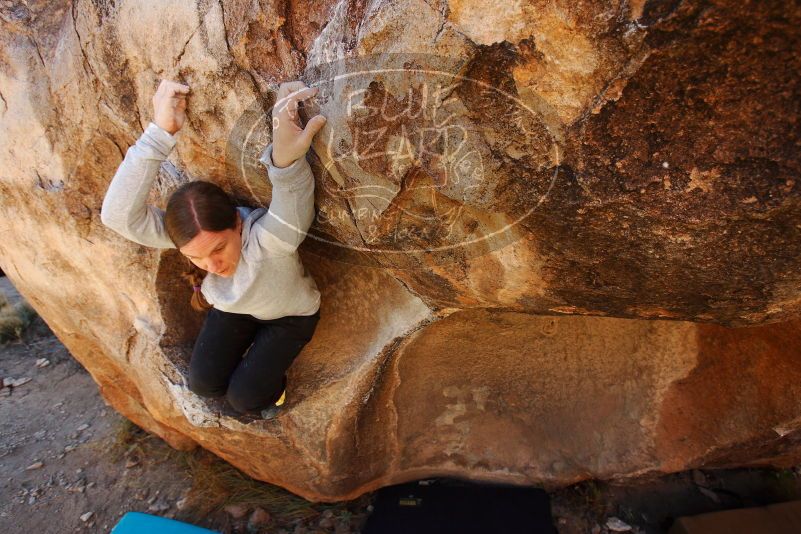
{"x": 554, "y": 240}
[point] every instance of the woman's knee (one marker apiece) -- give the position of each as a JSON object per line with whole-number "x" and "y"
{"x": 243, "y": 399}
{"x": 204, "y": 383}
{"x": 242, "y": 404}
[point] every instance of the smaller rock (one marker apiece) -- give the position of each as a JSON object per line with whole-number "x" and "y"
{"x": 182, "y": 504}
{"x": 158, "y": 507}
{"x": 82, "y": 427}
{"x": 259, "y": 518}
{"x": 69, "y": 448}
{"x": 85, "y": 517}
{"x": 326, "y": 522}
{"x": 15, "y": 382}
{"x": 35, "y": 465}
{"x": 699, "y": 478}
{"x": 42, "y": 362}
{"x": 709, "y": 493}
{"x": 616, "y": 525}
{"x": 237, "y": 511}
{"x": 130, "y": 462}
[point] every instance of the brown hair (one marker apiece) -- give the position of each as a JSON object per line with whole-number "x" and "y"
{"x": 196, "y": 206}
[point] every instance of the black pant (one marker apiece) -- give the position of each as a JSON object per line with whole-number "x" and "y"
{"x": 254, "y": 382}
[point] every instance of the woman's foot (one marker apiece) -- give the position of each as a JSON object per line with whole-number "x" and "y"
{"x": 272, "y": 411}
{"x": 281, "y": 399}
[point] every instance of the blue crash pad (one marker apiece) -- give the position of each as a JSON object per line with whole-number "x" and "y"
{"x": 139, "y": 522}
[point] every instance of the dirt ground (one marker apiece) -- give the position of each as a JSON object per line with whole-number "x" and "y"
{"x": 70, "y": 463}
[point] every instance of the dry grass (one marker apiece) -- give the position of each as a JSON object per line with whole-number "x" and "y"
{"x": 590, "y": 495}
{"x": 132, "y": 443}
{"x": 14, "y": 319}
{"x": 216, "y": 483}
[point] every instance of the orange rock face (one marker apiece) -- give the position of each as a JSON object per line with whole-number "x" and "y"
{"x": 554, "y": 241}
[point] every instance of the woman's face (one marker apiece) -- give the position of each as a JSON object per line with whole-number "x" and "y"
{"x": 216, "y": 252}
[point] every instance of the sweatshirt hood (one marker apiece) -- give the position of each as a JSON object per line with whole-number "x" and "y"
{"x": 249, "y": 218}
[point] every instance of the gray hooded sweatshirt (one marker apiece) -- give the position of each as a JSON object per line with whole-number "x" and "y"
{"x": 270, "y": 280}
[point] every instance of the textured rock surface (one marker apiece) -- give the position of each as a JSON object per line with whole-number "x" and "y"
{"x": 636, "y": 160}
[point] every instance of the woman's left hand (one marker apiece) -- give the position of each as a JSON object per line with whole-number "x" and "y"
{"x": 290, "y": 140}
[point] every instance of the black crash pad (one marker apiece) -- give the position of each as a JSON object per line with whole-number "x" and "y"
{"x": 445, "y": 505}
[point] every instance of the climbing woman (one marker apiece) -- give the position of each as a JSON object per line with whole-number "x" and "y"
{"x": 243, "y": 263}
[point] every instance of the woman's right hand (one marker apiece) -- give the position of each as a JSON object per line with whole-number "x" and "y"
{"x": 169, "y": 105}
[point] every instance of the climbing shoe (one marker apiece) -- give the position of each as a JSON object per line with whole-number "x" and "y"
{"x": 281, "y": 399}
{"x": 272, "y": 411}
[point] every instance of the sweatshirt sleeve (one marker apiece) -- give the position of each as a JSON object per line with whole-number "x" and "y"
{"x": 124, "y": 207}
{"x": 282, "y": 229}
